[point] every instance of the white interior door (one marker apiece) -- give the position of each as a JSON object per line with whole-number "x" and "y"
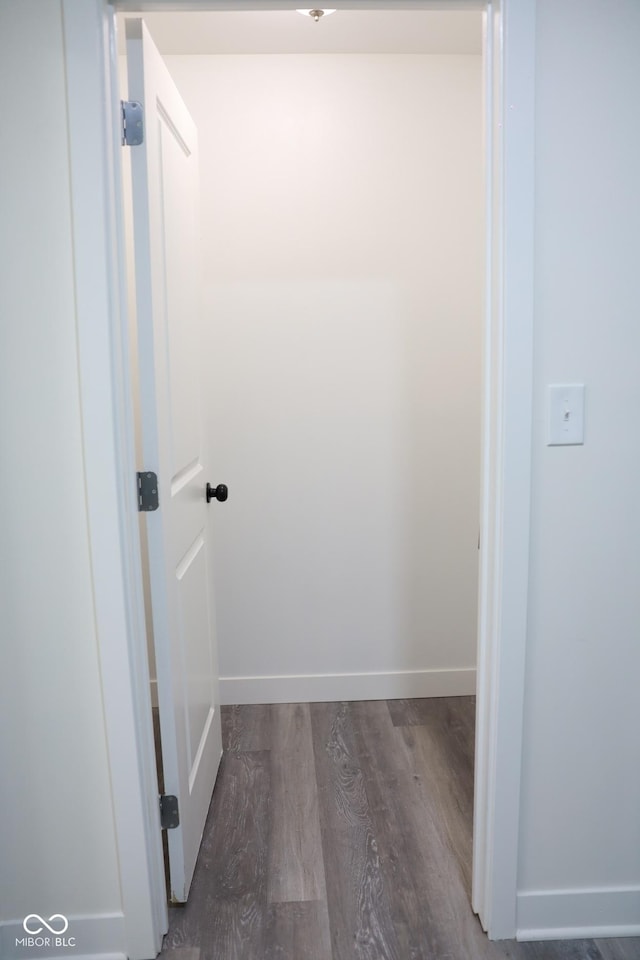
{"x": 167, "y": 272}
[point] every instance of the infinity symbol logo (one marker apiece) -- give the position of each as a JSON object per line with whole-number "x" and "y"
{"x": 38, "y": 919}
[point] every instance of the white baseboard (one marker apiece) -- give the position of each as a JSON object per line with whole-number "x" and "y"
{"x": 329, "y": 687}
{"x": 100, "y": 937}
{"x": 577, "y": 914}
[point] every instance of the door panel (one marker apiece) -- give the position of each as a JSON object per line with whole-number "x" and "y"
{"x": 167, "y": 257}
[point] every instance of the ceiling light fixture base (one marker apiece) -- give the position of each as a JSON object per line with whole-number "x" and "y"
{"x": 317, "y": 13}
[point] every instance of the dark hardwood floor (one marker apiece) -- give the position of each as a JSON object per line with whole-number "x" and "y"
{"x": 342, "y": 831}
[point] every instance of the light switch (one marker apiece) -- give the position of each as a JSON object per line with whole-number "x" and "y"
{"x": 566, "y": 414}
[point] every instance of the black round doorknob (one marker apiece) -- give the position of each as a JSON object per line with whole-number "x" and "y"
{"x": 221, "y": 492}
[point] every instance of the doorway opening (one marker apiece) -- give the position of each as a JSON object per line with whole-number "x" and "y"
{"x": 506, "y": 480}
{"x": 342, "y": 225}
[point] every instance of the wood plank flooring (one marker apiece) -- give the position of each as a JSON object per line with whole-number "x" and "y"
{"x": 342, "y": 831}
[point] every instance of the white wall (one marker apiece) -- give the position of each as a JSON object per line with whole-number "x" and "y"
{"x": 342, "y": 224}
{"x": 57, "y": 842}
{"x": 580, "y": 828}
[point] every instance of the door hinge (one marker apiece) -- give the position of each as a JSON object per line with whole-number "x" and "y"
{"x": 169, "y": 815}
{"x": 147, "y": 491}
{"x": 132, "y": 123}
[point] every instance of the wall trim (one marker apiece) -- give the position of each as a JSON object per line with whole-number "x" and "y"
{"x": 576, "y": 914}
{"x": 510, "y": 32}
{"x": 92, "y": 933}
{"x": 108, "y": 445}
{"x": 329, "y": 687}
{"x": 136, "y": 6}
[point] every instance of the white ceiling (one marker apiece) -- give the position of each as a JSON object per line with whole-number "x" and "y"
{"x": 347, "y": 31}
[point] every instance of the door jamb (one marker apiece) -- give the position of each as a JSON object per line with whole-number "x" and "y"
{"x": 506, "y": 466}
{"x": 110, "y": 459}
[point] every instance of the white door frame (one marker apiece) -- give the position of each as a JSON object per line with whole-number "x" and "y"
{"x": 110, "y": 459}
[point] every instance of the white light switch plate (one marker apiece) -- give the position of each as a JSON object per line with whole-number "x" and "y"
{"x": 566, "y": 414}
